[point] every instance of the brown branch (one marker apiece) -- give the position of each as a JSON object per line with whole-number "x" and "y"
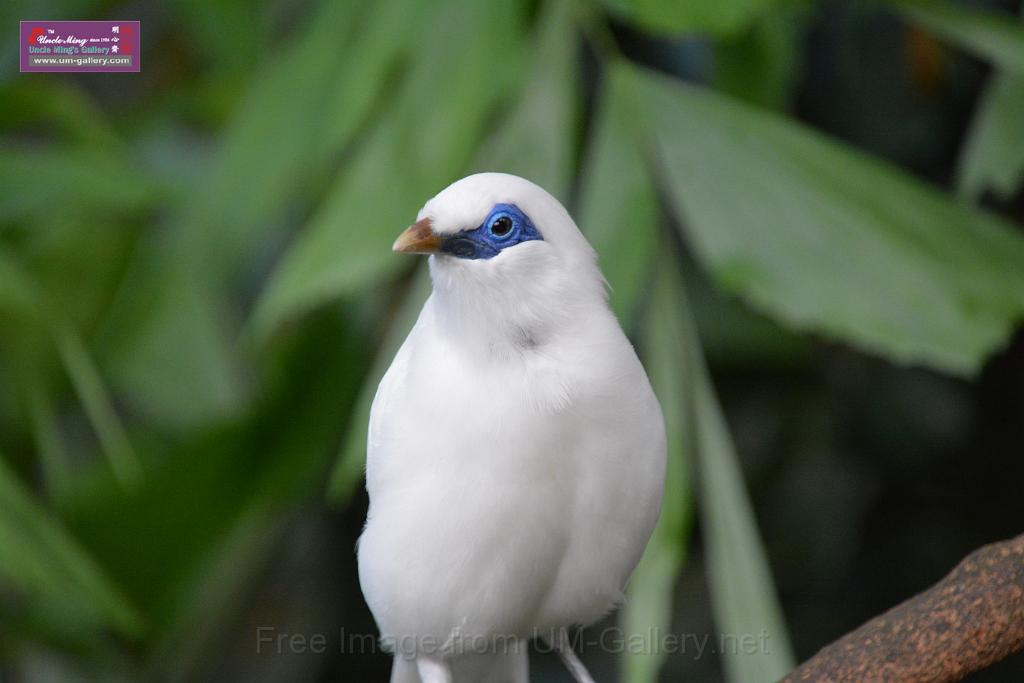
{"x": 971, "y": 619}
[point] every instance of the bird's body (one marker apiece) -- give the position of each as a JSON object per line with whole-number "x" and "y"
{"x": 516, "y": 450}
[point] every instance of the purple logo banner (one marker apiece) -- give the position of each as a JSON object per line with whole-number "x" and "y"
{"x": 80, "y": 46}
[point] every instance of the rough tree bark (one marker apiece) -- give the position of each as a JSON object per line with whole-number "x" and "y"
{"x": 969, "y": 620}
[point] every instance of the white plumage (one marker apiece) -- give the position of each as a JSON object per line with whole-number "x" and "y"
{"x": 516, "y": 453}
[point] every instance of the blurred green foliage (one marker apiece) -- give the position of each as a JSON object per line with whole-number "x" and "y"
{"x": 197, "y": 295}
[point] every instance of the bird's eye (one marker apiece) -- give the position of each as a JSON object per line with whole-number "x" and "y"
{"x": 501, "y": 226}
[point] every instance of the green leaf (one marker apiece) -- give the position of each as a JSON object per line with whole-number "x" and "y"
{"x": 49, "y": 446}
{"x": 386, "y": 37}
{"x": 79, "y": 261}
{"x": 289, "y": 126}
{"x": 743, "y": 599}
{"x": 167, "y": 347}
{"x": 215, "y": 591}
{"x": 301, "y": 109}
{"x": 17, "y": 292}
{"x": 92, "y": 392}
{"x": 537, "y": 140}
{"x": 993, "y": 155}
{"x": 425, "y": 140}
{"x": 722, "y": 17}
{"x": 57, "y": 106}
{"x": 348, "y": 469}
{"x": 825, "y": 238}
{"x": 761, "y": 64}
{"x": 265, "y": 154}
{"x": 618, "y": 206}
{"x": 753, "y": 639}
{"x": 59, "y": 181}
{"x": 347, "y": 244}
{"x": 187, "y": 542}
{"x": 998, "y": 38}
{"x": 203, "y": 25}
{"x": 648, "y": 607}
{"x": 736, "y": 337}
{"x": 24, "y": 295}
{"x": 44, "y": 562}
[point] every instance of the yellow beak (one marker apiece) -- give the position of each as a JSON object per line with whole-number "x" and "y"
{"x": 418, "y": 238}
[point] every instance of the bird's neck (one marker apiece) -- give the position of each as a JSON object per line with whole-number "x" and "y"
{"x": 500, "y": 319}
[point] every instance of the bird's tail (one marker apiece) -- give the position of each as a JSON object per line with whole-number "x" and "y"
{"x": 507, "y": 666}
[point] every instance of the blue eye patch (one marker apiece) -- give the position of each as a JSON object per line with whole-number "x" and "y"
{"x": 505, "y": 226}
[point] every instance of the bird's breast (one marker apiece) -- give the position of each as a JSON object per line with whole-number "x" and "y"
{"x": 537, "y": 477}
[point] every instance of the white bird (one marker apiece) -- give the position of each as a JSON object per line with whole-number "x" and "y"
{"x": 516, "y": 450}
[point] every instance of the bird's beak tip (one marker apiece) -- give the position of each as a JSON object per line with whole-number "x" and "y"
{"x": 399, "y": 245}
{"x": 418, "y": 238}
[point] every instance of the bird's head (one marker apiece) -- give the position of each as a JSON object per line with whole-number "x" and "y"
{"x": 504, "y": 252}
